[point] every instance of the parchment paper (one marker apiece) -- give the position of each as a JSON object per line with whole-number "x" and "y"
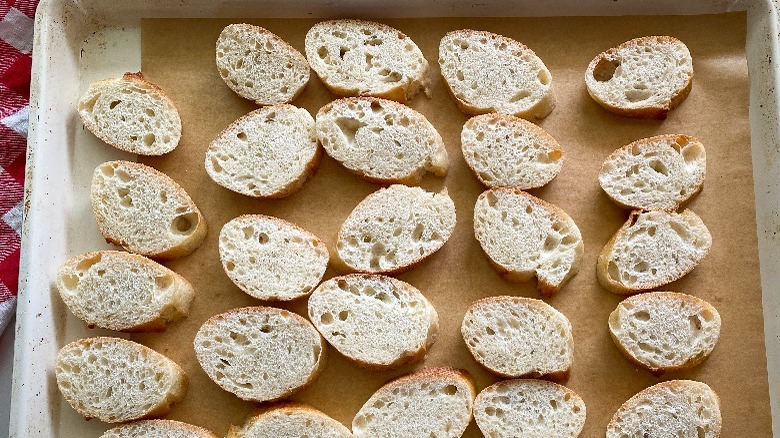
{"x": 178, "y": 55}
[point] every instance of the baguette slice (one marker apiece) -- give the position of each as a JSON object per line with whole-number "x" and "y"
{"x": 260, "y": 353}
{"x": 260, "y": 66}
{"x": 131, "y": 114}
{"x": 665, "y": 331}
{"x": 115, "y": 380}
{"x": 383, "y": 141}
{"x": 677, "y": 408}
{"x": 364, "y": 58}
{"x": 268, "y": 153}
{"x": 656, "y": 173}
{"x": 394, "y": 229}
{"x": 158, "y": 429}
{"x": 430, "y": 402}
{"x": 290, "y": 420}
{"x": 645, "y": 77}
{"x": 507, "y": 151}
{"x": 519, "y": 337}
{"x": 122, "y": 291}
{"x": 524, "y": 236}
{"x": 490, "y": 73}
{"x": 376, "y": 321}
{"x": 270, "y": 258}
{"x": 652, "y": 249}
{"x": 525, "y": 408}
{"x": 145, "y": 211}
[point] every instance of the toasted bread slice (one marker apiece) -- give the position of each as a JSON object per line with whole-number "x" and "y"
{"x": 652, "y": 249}
{"x": 158, "y": 429}
{"x": 145, "y": 211}
{"x": 383, "y": 141}
{"x": 115, "y": 380}
{"x": 290, "y": 420}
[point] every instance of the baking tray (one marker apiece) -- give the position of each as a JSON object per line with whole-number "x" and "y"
{"x": 81, "y": 41}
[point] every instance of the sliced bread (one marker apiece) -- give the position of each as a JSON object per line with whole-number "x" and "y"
{"x": 260, "y": 353}
{"x": 364, "y": 58}
{"x": 524, "y": 408}
{"x": 677, "y": 408}
{"x": 145, "y": 211}
{"x": 383, "y": 141}
{"x": 131, "y": 114}
{"x": 394, "y": 229}
{"x": 490, "y": 73}
{"x": 290, "y": 420}
{"x": 115, "y": 380}
{"x": 645, "y": 77}
{"x": 268, "y": 153}
{"x": 652, "y": 249}
{"x": 158, "y": 429}
{"x": 377, "y": 321}
{"x": 260, "y": 66}
{"x": 656, "y": 173}
{"x": 519, "y": 337}
{"x": 524, "y": 236}
{"x": 507, "y": 151}
{"x": 122, "y": 291}
{"x": 665, "y": 331}
{"x": 433, "y": 402}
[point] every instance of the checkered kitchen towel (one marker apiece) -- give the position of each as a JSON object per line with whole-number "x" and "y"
{"x": 16, "y": 41}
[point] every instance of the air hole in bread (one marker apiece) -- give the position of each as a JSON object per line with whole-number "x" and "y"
{"x": 113, "y": 104}
{"x": 149, "y": 139}
{"x": 185, "y": 224}
{"x": 283, "y": 90}
{"x": 520, "y": 95}
{"x": 322, "y": 52}
{"x": 638, "y": 95}
{"x": 88, "y": 262}
{"x": 343, "y": 315}
{"x": 641, "y": 316}
{"x": 450, "y": 390}
{"x": 241, "y": 136}
{"x": 164, "y": 281}
{"x": 417, "y": 232}
{"x": 544, "y": 77}
{"x": 70, "y": 281}
{"x": 349, "y": 127}
{"x": 612, "y": 270}
{"x": 695, "y": 323}
{"x": 343, "y": 51}
{"x": 262, "y": 238}
{"x": 605, "y": 69}
{"x": 692, "y": 152}
{"x": 680, "y": 230}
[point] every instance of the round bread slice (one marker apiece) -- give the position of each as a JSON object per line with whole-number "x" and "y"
{"x": 394, "y": 229}
{"x": 525, "y": 408}
{"x": 519, "y": 337}
{"x": 270, "y": 258}
{"x": 365, "y": 58}
{"x": 115, "y": 380}
{"x": 383, "y": 141}
{"x": 268, "y": 153}
{"x": 677, "y": 408}
{"x": 524, "y": 236}
{"x": 656, "y": 173}
{"x": 158, "y": 429}
{"x": 376, "y": 321}
{"x": 145, "y": 211}
{"x": 652, "y": 249}
{"x": 490, "y": 73}
{"x": 507, "y": 151}
{"x": 121, "y": 291}
{"x": 260, "y": 353}
{"x": 131, "y": 114}
{"x": 645, "y": 77}
{"x": 290, "y": 420}
{"x": 430, "y": 402}
{"x": 260, "y": 66}
{"x": 665, "y": 331}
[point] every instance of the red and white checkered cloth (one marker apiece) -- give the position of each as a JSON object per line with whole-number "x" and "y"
{"x": 16, "y": 42}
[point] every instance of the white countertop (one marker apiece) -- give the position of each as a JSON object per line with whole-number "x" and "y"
{"x": 6, "y": 368}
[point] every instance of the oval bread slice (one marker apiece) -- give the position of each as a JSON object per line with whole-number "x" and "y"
{"x": 260, "y": 66}
{"x": 365, "y": 58}
{"x": 430, "y": 402}
{"x": 377, "y": 321}
{"x": 260, "y": 353}
{"x": 656, "y": 173}
{"x": 524, "y": 236}
{"x": 383, "y": 141}
{"x": 115, "y": 380}
{"x": 131, "y": 114}
{"x": 524, "y": 408}
{"x": 643, "y": 77}
{"x": 290, "y": 420}
{"x": 665, "y": 331}
{"x": 268, "y": 153}
{"x": 270, "y": 258}
{"x": 507, "y": 151}
{"x": 394, "y": 229}
{"x": 652, "y": 249}
{"x": 158, "y": 429}
{"x": 490, "y": 73}
{"x": 683, "y": 408}
{"x": 121, "y": 291}
{"x": 519, "y": 337}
